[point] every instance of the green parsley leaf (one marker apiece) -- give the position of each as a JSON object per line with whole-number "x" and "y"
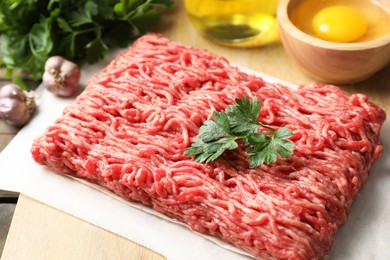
{"x": 84, "y": 14}
{"x": 64, "y": 25}
{"x": 79, "y": 30}
{"x": 214, "y": 129}
{"x": 209, "y": 151}
{"x": 283, "y": 146}
{"x": 96, "y": 50}
{"x": 39, "y": 38}
{"x": 241, "y": 123}
{"x": 244, "y": 117}
{"x": 262, "y": 150}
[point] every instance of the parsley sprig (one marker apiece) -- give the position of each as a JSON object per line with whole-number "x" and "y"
{"x": 81, "y": 31}
{"x": 240, "y": 125}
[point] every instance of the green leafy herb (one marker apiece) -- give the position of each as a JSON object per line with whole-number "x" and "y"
{"x": 240, "y": 123}
{"x": 79, "y": 30}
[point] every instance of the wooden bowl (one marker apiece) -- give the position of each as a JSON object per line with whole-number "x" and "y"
{"x": 332, "y": 62}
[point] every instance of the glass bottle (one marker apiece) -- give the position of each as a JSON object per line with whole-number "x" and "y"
{"x": 239, "y": 23}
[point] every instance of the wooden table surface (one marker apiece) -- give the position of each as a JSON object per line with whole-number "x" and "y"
{"x": 39, "y": 231}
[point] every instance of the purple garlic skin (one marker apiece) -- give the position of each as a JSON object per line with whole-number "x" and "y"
{"x": 16, "y": 105}
{"x": 61, "y": 77}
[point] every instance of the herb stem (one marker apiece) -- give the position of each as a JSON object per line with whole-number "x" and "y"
{"x": 96, "y": 29}
{"x": 241, "y": 123}
{"x": 32, "y": 31}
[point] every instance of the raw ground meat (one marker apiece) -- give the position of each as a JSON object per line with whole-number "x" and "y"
{"x": 129, "y": 128}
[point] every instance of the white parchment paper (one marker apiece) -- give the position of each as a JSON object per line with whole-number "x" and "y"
{"x": 366, "y": 235}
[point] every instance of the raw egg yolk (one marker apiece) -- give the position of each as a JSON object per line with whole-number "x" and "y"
{"x": 339, "y": 24}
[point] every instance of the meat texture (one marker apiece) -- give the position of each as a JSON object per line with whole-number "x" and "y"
{"x": 128, "y": 130}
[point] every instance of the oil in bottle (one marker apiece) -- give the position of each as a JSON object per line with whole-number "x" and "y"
{"x": 239, "y": 23}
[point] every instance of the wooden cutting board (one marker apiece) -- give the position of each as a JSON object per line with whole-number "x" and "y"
{"x": 39, "y": 231}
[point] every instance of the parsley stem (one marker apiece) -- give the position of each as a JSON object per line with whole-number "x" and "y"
{"x": 96, "y": 29}
{"x": 241, "y": 123}
{"x": 267, "y": 127}
{"x": 268, "y": 133}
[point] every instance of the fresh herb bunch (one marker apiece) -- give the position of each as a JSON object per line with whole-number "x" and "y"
{"x": 78, "y": 30}
{"x": 240, "y": 123}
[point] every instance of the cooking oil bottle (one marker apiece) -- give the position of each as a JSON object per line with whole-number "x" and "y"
{"x": 238, "y": 23}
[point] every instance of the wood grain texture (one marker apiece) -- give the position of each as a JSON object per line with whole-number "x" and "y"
{"x": 7, "y": 198}
{"x": 8, "y": 194}
{"x": 6, "y": 213}
{"x": 7, "y": 132}
{"x": 40, "y": 232}
{"x": 64, "y": 237}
